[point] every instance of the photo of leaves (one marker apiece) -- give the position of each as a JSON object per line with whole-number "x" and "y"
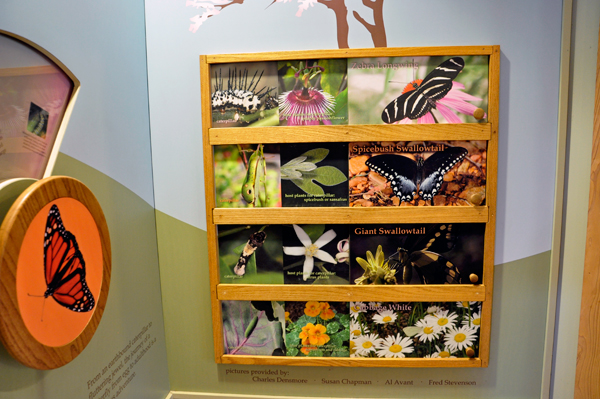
{"x": 253, "y": 328}
{"x": 318, "y": 329}
{"x": 314, "y": 174}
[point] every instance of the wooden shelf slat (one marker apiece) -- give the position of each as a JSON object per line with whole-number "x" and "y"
{"x": 346, "y": 215}
{"x": 350, "y": 53}
{"x": 350, "y": 361}
{"x": 351, "y": 293}
{"x": 349, "y": 133}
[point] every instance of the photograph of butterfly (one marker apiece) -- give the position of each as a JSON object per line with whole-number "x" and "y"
{"x": 245, "y": 96}
{"x": 64, "y": 266}
{"x": 250, "y": 254}
{"x": 416, "y": 253}
{"x": 447, "y": 89}
{"x": 451, "y": 173}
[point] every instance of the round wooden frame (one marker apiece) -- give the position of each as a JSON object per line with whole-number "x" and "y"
{"x": 13, "y": 333}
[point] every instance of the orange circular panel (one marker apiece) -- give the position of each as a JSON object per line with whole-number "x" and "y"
{"x": 54, "y": 272}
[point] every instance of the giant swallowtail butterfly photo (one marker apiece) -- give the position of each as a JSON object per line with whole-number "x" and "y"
{"x": 445, "y": 253}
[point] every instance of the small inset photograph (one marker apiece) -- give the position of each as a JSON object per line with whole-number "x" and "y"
{"x": 447, "y": 89}
{"x": 247, "y": 175}
{"x": 441, "y": 253}
{"x": 253, "y": 328}
{"x": 37, "y": 122}
{"x": 315, "y": 254}
{"x": 319, "y": 329}
{"x": 313, "y": 92}
{"x": 244, "y": 94}
{"x": 314, "y": 174}
{"x": 415, "y": 329}
{"x": 418, "y": 173}
{"x": 250, "y": 254}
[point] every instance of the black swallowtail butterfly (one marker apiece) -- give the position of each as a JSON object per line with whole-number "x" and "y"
{"x": 424, "y": 257}
{"x": 405, "y": 175}
{"x": 416, "y": 103}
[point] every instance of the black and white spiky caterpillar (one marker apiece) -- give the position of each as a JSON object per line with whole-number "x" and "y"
{"x": 241, "y": 96}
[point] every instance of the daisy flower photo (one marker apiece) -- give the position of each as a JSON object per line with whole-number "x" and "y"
{"x": 395, "y": 347}
{"x": 366, "y": 345}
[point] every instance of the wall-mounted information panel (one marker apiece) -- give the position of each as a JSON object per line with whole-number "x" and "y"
{"x": 350, "y": 202}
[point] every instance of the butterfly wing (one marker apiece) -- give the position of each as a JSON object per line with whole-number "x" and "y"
{"x": 416, "y": 103}
{"x": 432, "y": 170}
{"x": 64, "y": 267}
{"x": 400, "y": 171}
{"x": 438, "y": 82}
{"x": 433, "y": 268}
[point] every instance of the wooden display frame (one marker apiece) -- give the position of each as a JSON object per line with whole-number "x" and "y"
{"x": 341, "y": 215}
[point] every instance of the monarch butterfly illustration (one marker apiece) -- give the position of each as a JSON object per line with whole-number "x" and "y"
{"x": 415, "y": 103}
{"x": 64, "y": 267}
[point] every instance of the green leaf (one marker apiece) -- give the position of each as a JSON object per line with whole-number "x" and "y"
{"x": 316, "y": 155}
{"x": 316, "y": 353}
{"x": 292, "y": 339}
{"x": 344, "y": 334}
{"x": 314, "y": 231}
{"x": 294, "y": 161}
{"x": 308, "y": 186}
{"x": 341, "y": 108}
{"x": 262, "y": 339}
{"x": 333, "y": 327}
{"x": 292, "y": 352}
{"x": 345, "y": 320}
{"x": 335, "y": 341}
{"x": 290, "y": 174}
{"x": 304, "y": 320}
{"x": 329, "y": 175}
{"x": 305, "y": 166}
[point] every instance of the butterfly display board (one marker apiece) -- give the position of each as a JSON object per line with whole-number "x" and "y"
{"x": 351, "y": 201}
{"x": 55, "y": 267}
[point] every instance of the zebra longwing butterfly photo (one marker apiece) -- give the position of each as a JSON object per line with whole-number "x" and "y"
{"x": 423, "y": 96}
{"x": 408, "y": 177}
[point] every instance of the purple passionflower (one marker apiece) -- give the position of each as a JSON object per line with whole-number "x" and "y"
{"x": 306, "y": 106}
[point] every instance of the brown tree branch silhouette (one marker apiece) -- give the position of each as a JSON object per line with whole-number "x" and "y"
{"x": 341, "y": 18}
{"x": 377, "y": 30}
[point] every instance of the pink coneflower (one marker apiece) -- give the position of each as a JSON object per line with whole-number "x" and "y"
{"x": 455, "y": 99}
{"x": 306, "y": 106}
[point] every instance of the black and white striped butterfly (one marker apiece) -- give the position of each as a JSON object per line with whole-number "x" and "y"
{"x": 416, "y": 103}
{"x": 424, "y": 256}
{"x": 407, "y": 177}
